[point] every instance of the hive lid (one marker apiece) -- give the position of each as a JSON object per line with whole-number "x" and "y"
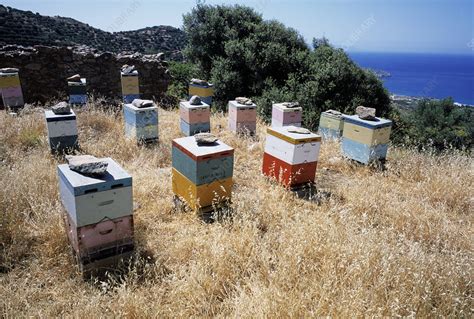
{"x": 200, "y": 83}
{"x": 138, "y": 109}
{"x": 201, "y": 152}
{"x": 79, "y": 184}
{"x": 291, "y": 137}
{"x": 188, "y": 105}
{"x": 83, "y": 82}
{"x": 333, "y": 114}
{"x": 51, "y": 117}
{"x": 133, "y": 73}
{"x": 284, "y": 108}
{"x": 236, "y": 104}
{"x": 379, "y": 123}
{"x": 5, "y": 75}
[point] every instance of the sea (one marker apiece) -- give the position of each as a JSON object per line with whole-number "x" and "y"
{"x": 423, "y": 75}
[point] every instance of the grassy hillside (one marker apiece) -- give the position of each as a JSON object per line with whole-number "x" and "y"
{"x": 393, "y": 242}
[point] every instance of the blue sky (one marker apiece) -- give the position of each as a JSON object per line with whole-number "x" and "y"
{"x": 359, "y": 25}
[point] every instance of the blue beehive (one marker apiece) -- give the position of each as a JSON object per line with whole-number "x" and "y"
{"x": 191, "y": 129}
{"x": 141, "y": 123}
{"x": 62, "y": 131}
{"x": 77, "y": 92}
{"x": 205, "y": 171}
{"x": 365, "y": 141}
{"x": 90, "y": 200}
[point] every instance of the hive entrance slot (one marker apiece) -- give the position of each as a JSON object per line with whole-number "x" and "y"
{"x": 92, "y": 190}
{"x": 117, "y": 186}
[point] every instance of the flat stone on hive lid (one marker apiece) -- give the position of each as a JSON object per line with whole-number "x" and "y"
{"x": 298, "y": 130}
{"x": 87, "y": 165}
{"x": 61, "y": 108}
{"x": 205, "y": 138}
{"x": 334, "y": 112}
{"x": 199, "y": 82}
{"x": 127, "y": 69}
{"x": 291, "y": 105}
{"x": 8, "y": 70}
{"x": 139, "y": 103}
{"x": 195, "y": 100}
{"x": 74, "y": 78}
{"x": 366, "y": 113}
{"x": 244, "y": 101}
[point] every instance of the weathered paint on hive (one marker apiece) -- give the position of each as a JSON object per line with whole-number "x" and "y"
{"x": 202, "y": 195}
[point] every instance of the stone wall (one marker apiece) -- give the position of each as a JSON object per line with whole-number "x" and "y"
{"x": 43, "y": 71}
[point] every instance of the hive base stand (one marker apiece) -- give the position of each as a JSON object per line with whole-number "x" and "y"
{"x": 208, "y": 214}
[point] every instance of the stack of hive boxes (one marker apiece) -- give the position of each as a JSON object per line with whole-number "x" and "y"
{"x": 62, "y": 130}
{"x": 365, "y": 141}
{"x": 130, "y": 86}
{"x": 202, "y": 89}
{"x": 77, "y": 91}
{"x": 291, "y": 155}
{"x": 331, "y": 124}
{"x": 242, "y": 116}
{"x": 286, "y": 114}
{"x": 141, "y": 122}
{"x": 194, "y": 118}
{"x": 99, "y": 214}
{"x": 202, "y": 174}
{"x": 10, "y": 87}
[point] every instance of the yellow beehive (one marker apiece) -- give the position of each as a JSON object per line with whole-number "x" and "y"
{"x": 130, "y": 85}
{"x": 9, "y": 80}
{"x": 366, "y": 135}
{"x": 198, "y": 196}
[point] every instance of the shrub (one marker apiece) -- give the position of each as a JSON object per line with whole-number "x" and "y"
{"x": 243, "y": 55}
{"x": 441, "y": 124}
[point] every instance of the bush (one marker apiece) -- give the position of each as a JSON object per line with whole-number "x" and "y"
{"x": 178, "y": 89}
{"x": 441, "y": 124}
{"x": 243, "y": 55}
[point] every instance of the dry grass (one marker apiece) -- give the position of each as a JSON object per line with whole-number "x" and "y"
{"x": 397, "y": 242}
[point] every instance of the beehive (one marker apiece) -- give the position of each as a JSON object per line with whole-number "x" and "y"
{"x": 194, "y": 118}
{"x": 285, "y": 116}
{"x": 202, "y": 175}
{"x": 130, "y": 86}
{"x": 242, "y": 118}
{"x": 205, "y": 92}
{"x": 77, "y": 92}
{"x": 98, "y": 215}
{"x": 10, "y": 88}
{"x": 290, "y": 157}
{"x": 331, "y": 125}
{"x": 141, "y": 123}
{"x": 106, "y": 238}
{"x": 365, "y": 141}
{"x": 90, "y": 200}
{"x": 62, "y": 131}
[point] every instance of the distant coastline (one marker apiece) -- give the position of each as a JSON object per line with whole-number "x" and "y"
{"x": 410, "y": 102}
{"x": 415, "y": 76}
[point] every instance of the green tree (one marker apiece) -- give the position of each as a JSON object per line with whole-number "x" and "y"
{"x": 244, "y": 55}
{"x": 181, "y": 73}
{"x": 441, "y": 124}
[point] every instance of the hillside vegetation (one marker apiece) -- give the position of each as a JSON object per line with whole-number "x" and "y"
{"x": 396, "y": 242}
{"x": 26, "y": 28}
{"x": 244, "y": 55}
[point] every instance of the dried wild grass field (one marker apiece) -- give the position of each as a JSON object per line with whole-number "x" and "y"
{"x": 397, "y": 242}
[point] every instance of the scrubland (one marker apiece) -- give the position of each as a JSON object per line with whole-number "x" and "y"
{"x": 393, "y": 242}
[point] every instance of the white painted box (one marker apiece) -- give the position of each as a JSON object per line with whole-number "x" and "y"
{"x": 292, "y": 148}
{"x": 89, "y": 200}
{"x": 59, "y": 125}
